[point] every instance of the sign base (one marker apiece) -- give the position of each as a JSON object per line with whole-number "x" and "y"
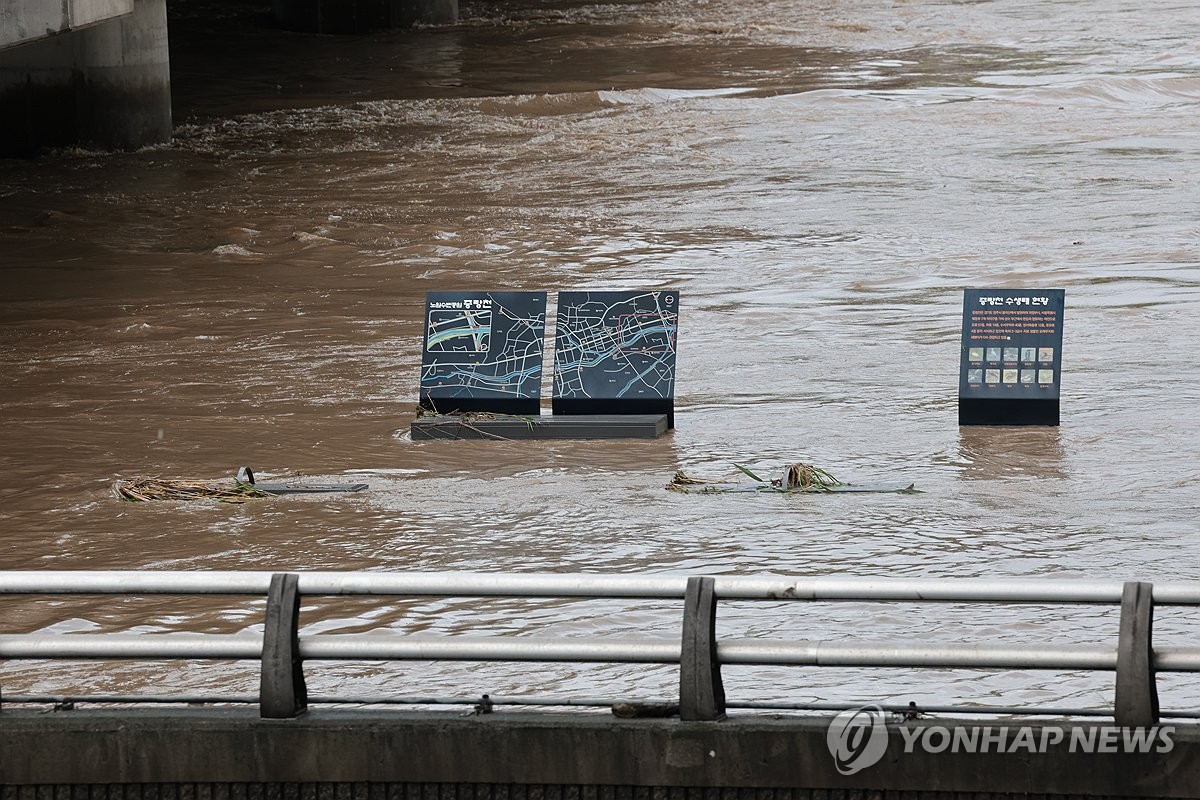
{"x": 599, "y": 406}
{"x": 594, "y": 426}
{"x": 988, "y": 411}
{"x": 521, "y": 406}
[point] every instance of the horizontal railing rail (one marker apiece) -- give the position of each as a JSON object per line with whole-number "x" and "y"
{"x": 576, "y": 585}
{"x": 363, "y": 647}
{"x": 282, "y": 650}
{"x": 372, "y": 647}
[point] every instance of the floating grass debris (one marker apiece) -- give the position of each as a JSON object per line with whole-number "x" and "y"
{"x": 681, "y": 480}
{"x": 469, "y": 421}
{"x": 424, "y": 412}
{"x": 746, "y": 471}
{"x": 237, "y": 490}
{"x": 144, "y": 490}
{"x": 796, "y": 478}
{"x": 806, "y": 477}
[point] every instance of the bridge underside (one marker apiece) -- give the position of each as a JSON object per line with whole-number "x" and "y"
{"x": 358, "y": 16}
{"x": 96, "y": 73}
{"x": 36, "y": 19}
{"x": 106, "y": 85}
{"x": 413, "y": 755}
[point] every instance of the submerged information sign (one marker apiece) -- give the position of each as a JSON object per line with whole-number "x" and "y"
{"x": 483, "y": 352}
{"x": 614, "y": 353}
{"x": 1011, "y": 365}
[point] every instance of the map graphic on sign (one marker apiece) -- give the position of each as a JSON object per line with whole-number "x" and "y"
{"x": 483, "y": 351}
{"x": 468, "y": 331}
{"x": 616, "y": 346}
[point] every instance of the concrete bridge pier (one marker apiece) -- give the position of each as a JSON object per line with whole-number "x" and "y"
{"x": 107, "y": 85}
{"x": 359, "y": 16}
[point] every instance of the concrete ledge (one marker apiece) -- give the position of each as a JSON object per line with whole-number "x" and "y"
{"x": 589, "y": 426}
{"x": 574, "y": 750}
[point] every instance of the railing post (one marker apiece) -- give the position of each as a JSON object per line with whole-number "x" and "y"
{"x": 282, "y": 693}
{"x": 1136, "y": 703}
{"x": 701, "y": 692}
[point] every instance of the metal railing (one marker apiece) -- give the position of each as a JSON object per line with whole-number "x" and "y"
{"x": 282, "y": 650}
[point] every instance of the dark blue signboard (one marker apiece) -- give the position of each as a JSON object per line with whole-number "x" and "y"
{"x": 614, "y": 353}
{"x": 483, "y": 352}
{"x": 1011, "y": 366}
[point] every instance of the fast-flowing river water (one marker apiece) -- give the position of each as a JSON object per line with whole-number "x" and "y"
{"x": 819, "y": 180}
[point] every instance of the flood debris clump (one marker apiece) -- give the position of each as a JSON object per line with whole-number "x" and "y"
{"x": 799, "y": 477}
{"x": 468, "y": 422}
{"x": 806, "y": 477}
{"x": 144, "y": 490}
{"x": 424, "y": 412}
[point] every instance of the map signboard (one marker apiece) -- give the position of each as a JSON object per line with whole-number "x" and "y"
{"x": 1011, "y": 365}
{"x": 483, "y": 352}
{"x": 614, "y": 353}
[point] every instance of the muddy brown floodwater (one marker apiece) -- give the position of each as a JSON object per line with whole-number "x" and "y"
{"x": 819, "y": 180}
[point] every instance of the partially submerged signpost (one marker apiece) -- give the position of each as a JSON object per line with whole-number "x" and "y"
{"x": 482, "y": 366}
{"x": 1011, "y": 363}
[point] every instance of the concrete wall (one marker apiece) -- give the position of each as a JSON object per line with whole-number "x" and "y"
{"x": 206, "y": 754}
{"x": 106, "y": 86}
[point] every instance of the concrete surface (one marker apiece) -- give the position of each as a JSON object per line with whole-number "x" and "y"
{"x": 579, "y": 753}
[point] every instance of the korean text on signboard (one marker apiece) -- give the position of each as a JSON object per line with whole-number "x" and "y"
{"x": 1011, "y": 343}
